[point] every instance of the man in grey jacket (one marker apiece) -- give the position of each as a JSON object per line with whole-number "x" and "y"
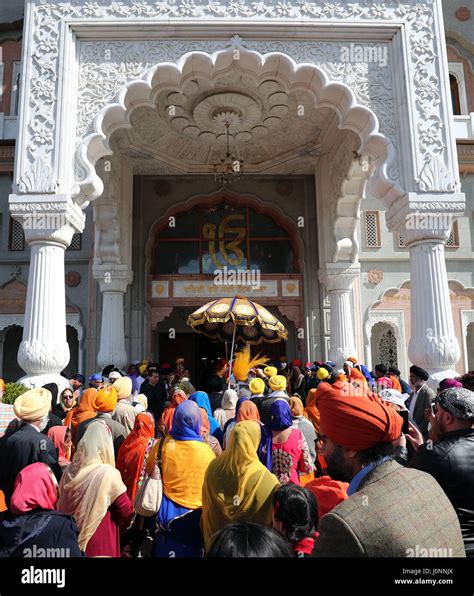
{"x": 391, "y": 511}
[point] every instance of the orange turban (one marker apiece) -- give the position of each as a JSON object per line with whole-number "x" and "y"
{"x": 105, "y": 400}
{"x": 328, "y": 493}
{"x": 354, "y": 417}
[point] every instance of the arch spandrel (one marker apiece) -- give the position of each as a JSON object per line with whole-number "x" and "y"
{"x": 310, "y": 78}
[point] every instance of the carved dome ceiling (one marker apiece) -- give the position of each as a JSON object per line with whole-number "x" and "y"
{"x": 273, "y": 131}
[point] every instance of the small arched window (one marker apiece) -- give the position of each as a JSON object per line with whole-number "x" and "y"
{"x": 455, "y": 99}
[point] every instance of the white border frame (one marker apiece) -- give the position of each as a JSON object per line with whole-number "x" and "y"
{"x": 457, "y": 69}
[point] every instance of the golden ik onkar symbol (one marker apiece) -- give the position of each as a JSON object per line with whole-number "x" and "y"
{"x": 225, "y": 246}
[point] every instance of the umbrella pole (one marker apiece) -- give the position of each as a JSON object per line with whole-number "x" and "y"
{"x": 231, "y": 354}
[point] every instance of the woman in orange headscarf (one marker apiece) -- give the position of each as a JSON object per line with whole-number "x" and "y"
{"x": 311, "y": 411}
{"x": 85, "y": 411}
{"x": 61, "y": 437}
{"x": 357, "y": 378}
{"x": 134, "y": 451}
{"x": 166, "y": 421}
{"x": 247, "y": 411}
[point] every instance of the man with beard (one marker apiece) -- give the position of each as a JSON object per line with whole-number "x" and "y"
{"x": 391, "y": 511}
{"x": 449, "y": 456}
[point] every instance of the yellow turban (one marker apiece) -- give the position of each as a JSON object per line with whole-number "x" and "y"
{"x": 144, "y": 361}
{"x": 142, "y": 368}
{"x": 106, "y": 399}
{"x": 123, "y": 387}
{"x": 322, "y": 374}
{"x": 35, "y": 404}
{"x": 270, "y": 371}
{"x": 257, "y": 386}
{"x": 277, "y": 382}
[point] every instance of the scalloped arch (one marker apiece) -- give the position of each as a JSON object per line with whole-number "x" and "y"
{"x": 308, "y": 77}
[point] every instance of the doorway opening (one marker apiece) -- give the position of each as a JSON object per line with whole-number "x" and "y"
{"x": 200, "y": 353}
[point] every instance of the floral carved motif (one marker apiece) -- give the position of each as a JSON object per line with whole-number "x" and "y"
{"x": 375, "y": 276}
{"x": 38, "y": 172}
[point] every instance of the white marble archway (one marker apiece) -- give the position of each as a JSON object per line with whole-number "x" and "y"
{"x": 414, "y": 159}
{"x": 344, "y": 186}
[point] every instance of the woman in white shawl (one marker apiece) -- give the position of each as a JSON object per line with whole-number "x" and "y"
{"x": 227, "y": 411}
{"x": 92, "y": 490}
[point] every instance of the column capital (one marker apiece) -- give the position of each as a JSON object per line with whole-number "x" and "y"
{"x": 50, "y": 218}
{"x": 428, "y": 216}
{"x": 112, "y": 277}
{"x": 339, "y": 276}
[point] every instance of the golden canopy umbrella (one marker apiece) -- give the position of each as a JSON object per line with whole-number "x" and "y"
{"x": 238, "y": 318}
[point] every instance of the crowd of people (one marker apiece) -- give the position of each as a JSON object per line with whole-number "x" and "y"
{"x": 267, "y": 459}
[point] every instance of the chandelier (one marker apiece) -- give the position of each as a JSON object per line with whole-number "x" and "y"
{"x": 228, "y": 169}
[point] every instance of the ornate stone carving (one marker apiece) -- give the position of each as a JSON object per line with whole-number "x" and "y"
{"x": 42, "y": 90}
{"x": 339, "y": 276}
{"x": 463, "y": 13}
{"x": 293, "y": 313}
{"x": 101, "y": 79}
{"x": 54, "y": 219}
{"x": 107, "y": 215}
{"x": 439, "y": 206}
{"x": 434, "y": 175}
{"x": 15, "y": 271}
{"x": 37, "y": 178}
{"x": 374, "y": 276}
{"x": 72, "y": 279}
{"x": 158, "y": 314}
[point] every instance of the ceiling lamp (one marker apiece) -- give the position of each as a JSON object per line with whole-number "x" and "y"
{"x": 228, "y": 169}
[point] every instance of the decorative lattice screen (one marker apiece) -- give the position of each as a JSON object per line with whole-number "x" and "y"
{"x": 372, "y": 234}
{"x": 17, "y": 236}
{"x": 76, "y": 242}
{"x": 388, "y": 349}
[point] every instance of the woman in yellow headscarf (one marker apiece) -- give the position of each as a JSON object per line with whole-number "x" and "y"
{"x": 237, "y": 486}
{"x": 183, "y": 460}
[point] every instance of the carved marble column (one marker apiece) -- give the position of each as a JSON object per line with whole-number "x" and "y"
{"x": 433, "y": 344}
{"x": 338, "y": 279}
{"x": 49, "y": 222}
{"x": 113, "y": 281}
{"x": 425, "y": 227}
